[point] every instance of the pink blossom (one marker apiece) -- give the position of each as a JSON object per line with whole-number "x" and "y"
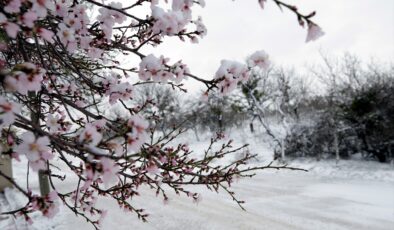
{"x": 136, "y": 140}
{"x": 124, "y": 91}
{"x": 260, "y": 59}
{"x": 99, "y": 124}
{"x": 61, "y": 8}
{"x": 109, "y": 18}
{"x": 40, "y": 7}
{"x": 262, "y": 2}
{"x": 314, "y": 32}
{"x": 179, "y": 70}
{"x": 90, "y": 136}
{"x": 152, "y": 168}
{"x": 116, "y": 146}
{"x": 46, "y": 34}
{"x": 138, "y": 124}
{"x": 29, "y": 18}
{"x": 110, "y": 170}
{"x": 12, "y": 29}
{"x": 95, "y": 53}
{"x": 103, "y": 214}
{"x": 13, "y": 6}
{"x": 3, "y": 18}
{"x": 65, "y": 34}
{"x": 36, "y": 150}
{"x": 184, "y": 6}
{"x": 201, "y": 28}
{"x": 48, "y": 205}
{"x": 80, "y": 103}
{"x": 152, "y": 67}
{"x": 27, "y": 80}
{"x": 230, "y": 73}
{"x": 168, "y": 23}
{"x": 8, "y": 109}
{"x": 53, "y": 124}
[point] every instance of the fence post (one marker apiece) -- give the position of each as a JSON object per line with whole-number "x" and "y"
{"x": 6, "y": 168}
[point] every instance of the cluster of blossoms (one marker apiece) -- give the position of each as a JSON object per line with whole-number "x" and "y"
{"x": 48, "y": 205}
{"x": 137, "y": 135}
{"x": 91, "y": 135}
{"x": 116, "y": 89}
{"x": 57, "y": 123}
{"x": 109, "y": 17}
{"x": 231, "y": 73}
{"x": 258, "y": 59}
{"x": 104, "y": 170}
{"x": 35, "y": 10}
{"x": 24, "y": 78}
{"x": 175, "y": 20}
{"x": 156, "y": 69}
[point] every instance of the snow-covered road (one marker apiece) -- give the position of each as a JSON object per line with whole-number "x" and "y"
{"x": 348, "y": 195}
{"x": 282, "y": 200}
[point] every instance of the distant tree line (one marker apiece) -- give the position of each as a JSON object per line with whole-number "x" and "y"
{"x": 334, "y": 110}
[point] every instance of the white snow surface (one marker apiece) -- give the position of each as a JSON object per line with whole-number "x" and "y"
{"x": 352, "y": 194}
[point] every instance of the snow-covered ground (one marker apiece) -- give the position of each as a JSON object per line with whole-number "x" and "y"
{"x": 349, "y": 195}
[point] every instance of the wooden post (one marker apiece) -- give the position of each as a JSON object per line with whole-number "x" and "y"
{"x": 43, "y": 179}
{"x": 6, "y": 168}
{"x": 283, "y": 149}
{"x": 44, "y": 182}
{"x": 336, "y": 146}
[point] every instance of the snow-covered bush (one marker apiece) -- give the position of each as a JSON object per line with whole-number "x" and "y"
{"x": 356, "y": 116}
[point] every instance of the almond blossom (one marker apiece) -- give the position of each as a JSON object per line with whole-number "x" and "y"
{"x": 36, "y": 150}
{"x": 260, "y": 59}
{"x": 29, "y": 18}
{"x": 41, "y": 7}
{"x": 11, "y": 28}
{"x": 179, "y": 70}
{"x": 230, "y": 73}
{"x": 26, "y": 78}
{"x": 8, "y": 109}
{"x": 138, "y": 135}
{"x": 109, "y": 18}
{"x": 48, "y": 205}
{"x": 13, "y": 6}
{"x": 123, "y": 91}
{"x": 314, "y": 32}
{"x": 90, "y": 136}
{"x": 170, "y": 22}
{"x": 66, "y": 34}
{"x": 53, "y": 123}
{"x": 262, "y": 3}
{"x": 47, "y": 35}
{"x": 109, "y": 171}
{"x": 154, "y": 68}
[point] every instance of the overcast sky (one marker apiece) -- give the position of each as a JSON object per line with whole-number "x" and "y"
{"x": 238, "y": 28}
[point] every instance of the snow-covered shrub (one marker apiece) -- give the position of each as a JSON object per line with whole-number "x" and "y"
{"x": 356, "y": 115}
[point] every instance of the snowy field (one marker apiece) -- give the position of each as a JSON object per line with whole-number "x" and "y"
{"x": 349, "y": 195}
